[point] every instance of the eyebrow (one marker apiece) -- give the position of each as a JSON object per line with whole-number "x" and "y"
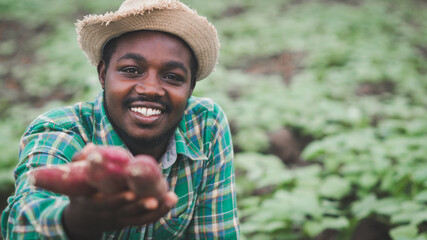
{"x": 175, "y": 64}
{"x": 132, "y": 56}
{"x": 170, "y": 64}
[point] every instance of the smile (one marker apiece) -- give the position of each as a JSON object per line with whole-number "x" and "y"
{"x": 147, "y": 112}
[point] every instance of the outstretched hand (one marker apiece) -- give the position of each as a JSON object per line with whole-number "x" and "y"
{"x": 87, "y": 217}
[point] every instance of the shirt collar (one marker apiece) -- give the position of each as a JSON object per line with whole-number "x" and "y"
{"x": 170, "y": 156}
{"x": 185, "y": 146}
{"x": 104, "y": 133}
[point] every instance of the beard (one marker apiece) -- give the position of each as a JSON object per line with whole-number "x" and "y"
{"x": 141, "y": 143}
{"x": 152, "y": 142}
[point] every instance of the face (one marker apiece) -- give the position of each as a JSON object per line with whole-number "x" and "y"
{"x": 147, "y": 85}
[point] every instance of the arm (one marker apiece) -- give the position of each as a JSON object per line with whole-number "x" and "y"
{"x": 37, "y": 214}
{"x": 215, "y": 216}
{"x": 88, "y": 217}
{"x": 33, "y": 213}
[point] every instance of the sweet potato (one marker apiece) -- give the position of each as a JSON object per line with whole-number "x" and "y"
{"x": 68, "y": 179}
{"x": 145, "y": 177}
{"x": 104, "y": 169}
{"x": 82, "y": 155}
{"x": 107, "y": 168}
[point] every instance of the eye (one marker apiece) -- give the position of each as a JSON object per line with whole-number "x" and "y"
{"x": 130, "y": 70}
{"x": 173, "y": 77}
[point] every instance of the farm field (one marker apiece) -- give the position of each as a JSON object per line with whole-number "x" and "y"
{"x": 327, "y": 101}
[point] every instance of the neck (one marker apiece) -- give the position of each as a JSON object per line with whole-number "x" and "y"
{"x": 155, "y": 151}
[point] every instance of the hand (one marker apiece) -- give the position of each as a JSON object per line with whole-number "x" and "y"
{"x": 88, "y": 217}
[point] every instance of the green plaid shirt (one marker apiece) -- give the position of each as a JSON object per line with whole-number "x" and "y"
{"x": 202, "y": 174}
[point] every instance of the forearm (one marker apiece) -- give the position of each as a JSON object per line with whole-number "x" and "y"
{"x": 72, "y": 229}
{"x": 34, "y": 215}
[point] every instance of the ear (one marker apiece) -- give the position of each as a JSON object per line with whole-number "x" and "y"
{"x": 192, "y": 86}
{"x": 102, "y": 72}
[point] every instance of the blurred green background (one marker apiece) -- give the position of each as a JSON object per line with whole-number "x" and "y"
{"x": 327, "y": 101}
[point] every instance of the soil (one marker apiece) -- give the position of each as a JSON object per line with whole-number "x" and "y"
{"x": 371, "y": 229}
{"x": 287, "y": 144}
{"x": 14, "y": 55}
{"x": 21, "y": 54}
{"x": 4, "y": 194}
{"x": 369, "y": 88}
{"x": 328, "y": 234}
{"x": 287, "y": 64}
{"x": 233, "y": 11}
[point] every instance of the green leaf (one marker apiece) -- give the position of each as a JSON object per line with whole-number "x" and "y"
{"x": 261, "y": 170}
{"x": 405, "y": 232}
{"x": 368, "y": 180}
{"x": 420, "y": 174}
{"x": 252, "y": 140}
{"x": 364, "y": 207}
{"x": 335, "y": 187}
{"x": 388, "y": 206}
{"x": 419, "y": 217}
{"x": 270, "y": 227}
{"x": 421, "y": 237}
{"x": 421, "y": 196}
{"x": 313, "y": 151}
{"x": 313, "y": 228}
{"x": 6, "y": 179}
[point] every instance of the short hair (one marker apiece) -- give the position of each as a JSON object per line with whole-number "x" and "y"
{"x": 111, "y": 45}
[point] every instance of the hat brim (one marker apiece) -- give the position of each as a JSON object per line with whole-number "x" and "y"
{"x": 94, "y": 31}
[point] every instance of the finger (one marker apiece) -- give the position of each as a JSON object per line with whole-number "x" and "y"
{"x": 150, "y": 203}
{"x": 78, "y": 156}
{"x": 170, "y": 199}
{"x": 145, "y": 218}
{"x": 138, "y": 207}
{"x": 83, "y": 153}
{"x": 107, "y": 201}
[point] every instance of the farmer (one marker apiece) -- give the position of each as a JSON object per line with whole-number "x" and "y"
{"x": 149, "y": 55}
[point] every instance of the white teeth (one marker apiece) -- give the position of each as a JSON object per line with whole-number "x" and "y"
{"x": 146, "y": 111}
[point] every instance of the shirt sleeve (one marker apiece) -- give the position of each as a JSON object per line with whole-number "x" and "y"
{"x": 33, "y": 213}
{"x": 215, "y": 216}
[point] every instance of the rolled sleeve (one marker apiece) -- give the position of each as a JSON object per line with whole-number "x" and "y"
{"x": 33, "y": 213}
{"x": 35, "y": 216}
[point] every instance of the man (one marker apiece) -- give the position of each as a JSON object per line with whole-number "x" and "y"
{"x": 149, "y": 55}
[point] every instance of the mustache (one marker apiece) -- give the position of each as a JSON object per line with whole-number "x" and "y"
{"x": 130, "y": 100}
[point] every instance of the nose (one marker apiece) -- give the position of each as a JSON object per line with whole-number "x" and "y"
{"x": 149, "y": 85}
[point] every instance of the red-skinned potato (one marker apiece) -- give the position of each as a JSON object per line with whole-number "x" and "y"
{"x": 68, "y": 179}
{"x": 145, "y": 178}
{"x": 107, "y": 168}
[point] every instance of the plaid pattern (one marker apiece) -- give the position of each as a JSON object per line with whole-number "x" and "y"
{"x": 202, "y": 175}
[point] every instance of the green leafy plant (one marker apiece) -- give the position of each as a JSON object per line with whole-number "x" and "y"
{"x": 358, "y": 91}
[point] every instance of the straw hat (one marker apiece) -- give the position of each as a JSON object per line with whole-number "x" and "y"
{"x": 169, "y": 16}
